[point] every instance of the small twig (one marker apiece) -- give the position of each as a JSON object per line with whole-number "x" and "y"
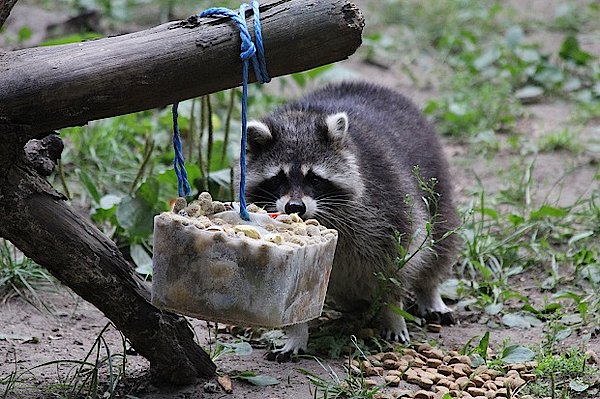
{"x": 227, "y": 125}
{"x": 148, "y": 148}
{"x": 201, "y": 135}
{"x": 63, "y": 182}
{"x": 209, "y": 146}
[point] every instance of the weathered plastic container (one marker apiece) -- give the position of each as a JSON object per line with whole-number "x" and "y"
{"x": 210, "y": 274}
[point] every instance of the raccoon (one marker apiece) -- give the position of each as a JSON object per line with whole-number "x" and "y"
{"x": 346, "y": 156}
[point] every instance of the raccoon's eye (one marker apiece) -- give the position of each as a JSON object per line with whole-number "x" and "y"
{"x": 313, "y": 179}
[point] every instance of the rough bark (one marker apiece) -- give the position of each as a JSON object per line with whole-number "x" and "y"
{"x": 73, "y": 84}
{"x": 5, "y": 9}
{"x": 35, "y": 218}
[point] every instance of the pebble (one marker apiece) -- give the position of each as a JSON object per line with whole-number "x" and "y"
{"x": 392, "y": 380}
{"x": 423, "y": 395}
{"x": 434, "y": 328}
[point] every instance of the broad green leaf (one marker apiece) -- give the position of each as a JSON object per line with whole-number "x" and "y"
{"x": 241, "y": 348}
{"x": 148, "y": 191}
{"x": 529, "y": 93}
{"x": 570, "y": 50}
{"x": 514, "y": 36}
{"x": 517, "y": 354}
{"x": 578, "y": 385}
{"x": 109, "y": 200}
{"x": 135, "y": 216}
{"x": 521, "y": 321}
{"x": 571, "y": 319}
{"x": 142, "y": 260}
{"x": 493, "y": 308}
{"x": 563, "y": 333}
{"x": 259, "y": 380}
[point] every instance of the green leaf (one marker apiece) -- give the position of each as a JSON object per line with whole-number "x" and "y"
{"x": 259, "y": 380}
{"x": 521, "y": 321}
{"x": 89, "y": 185}
{"x": 514, "y": 36}
{"x": 399, "y": 311}
{"x": 549, "y": 211}
{"x": 517, "y": 354}
{"x": 109, "y": 200}
{"x": 483, "y": 345}
{"x": 578, "y": 385}
{"x": 580, "y": 236}
{"x": 78, "y": 37}
{"x": 493, "y": 308}
{"x": 136, "y": 216}
{"x": 25, "y": 33}
{"x": 241, "y": 348}
{"x": 570, "y": 50}
{"x": 142, "y": 260}
{"x": 529, "y": 93}
{"x": 149, "y": 191}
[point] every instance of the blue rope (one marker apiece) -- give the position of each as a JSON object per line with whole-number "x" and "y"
{"x": 183, "y": 185}
{"x": 249, "y": 51}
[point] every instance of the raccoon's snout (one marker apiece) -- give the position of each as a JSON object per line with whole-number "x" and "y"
{"x": 295, "y": 206}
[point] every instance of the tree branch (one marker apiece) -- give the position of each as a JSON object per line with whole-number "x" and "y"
{"x": 48, "y": 88}
{"x": 5, "y": 8}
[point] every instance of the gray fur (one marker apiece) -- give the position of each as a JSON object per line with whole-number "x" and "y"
{"x": 372, "y": 165}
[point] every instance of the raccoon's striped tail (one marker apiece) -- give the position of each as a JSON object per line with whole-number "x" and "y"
{"x": 250, "y": 51}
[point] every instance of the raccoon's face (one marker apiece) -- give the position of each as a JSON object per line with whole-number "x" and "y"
{"x": 302, "y": 162}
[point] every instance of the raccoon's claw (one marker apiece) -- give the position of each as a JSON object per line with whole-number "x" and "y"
{"x": 281, "y": 356}
{"x": 296, "y": 344}
{"x": 401, "y": 336}
{"x": 394, "y": 328}
{"x": 444, "y": 318}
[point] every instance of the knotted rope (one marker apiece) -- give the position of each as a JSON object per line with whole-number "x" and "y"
{"x": 249, "y": 51}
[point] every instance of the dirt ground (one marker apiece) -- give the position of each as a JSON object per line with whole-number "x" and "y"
{"x": 30, "y": 337}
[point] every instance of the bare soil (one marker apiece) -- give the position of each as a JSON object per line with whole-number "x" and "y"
{"x": 30, "y": 337}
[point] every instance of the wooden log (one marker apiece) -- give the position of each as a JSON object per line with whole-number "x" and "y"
{"x": 47, "y": 88}
{"x": 35, "y": 218}
{"x": 5, "y": 9}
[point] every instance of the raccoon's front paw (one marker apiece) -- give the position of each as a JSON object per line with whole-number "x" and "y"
{"x": 295, "y": 344}
{"x": 394, "y": 327}
{"x": 433, "y": 309}
{"x": 444, "y": 318}
{"x": 281, "y": 356}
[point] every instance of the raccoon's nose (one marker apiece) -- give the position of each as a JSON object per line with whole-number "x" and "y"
{"x": 295, "y": 206}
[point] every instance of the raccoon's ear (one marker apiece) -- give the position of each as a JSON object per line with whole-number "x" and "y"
{"x": 337, "y": 127}
{"x": 259, "y": 135}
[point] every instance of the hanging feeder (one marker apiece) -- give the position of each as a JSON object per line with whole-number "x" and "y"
{"x": 270, "y": 271}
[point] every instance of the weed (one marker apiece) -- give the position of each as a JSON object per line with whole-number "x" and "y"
{"x": 22, "y": 277}
{"x": 351, "y": 386}
{"x": 83, "y": 378}
{"x": 564, "y": 140}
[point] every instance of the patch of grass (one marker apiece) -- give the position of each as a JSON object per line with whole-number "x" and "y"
{"x": 97, "y": 375}
{"x": 510, "y": 233}
{"x": 565, "y": 374}
{"x": 474, "y": 110}
{"x": 564, "y": 140}
{"x": 22, "y": 277}
{"x": 352, "y": 385}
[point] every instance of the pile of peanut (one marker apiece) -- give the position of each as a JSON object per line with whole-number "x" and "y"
{"x": 437, "y": 373}
{"x": 286, "y": 230}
